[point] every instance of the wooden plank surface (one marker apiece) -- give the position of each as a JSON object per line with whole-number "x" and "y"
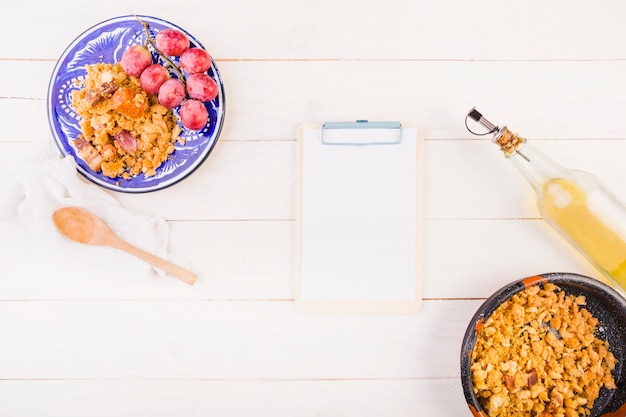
{"x": 80, "y": 339}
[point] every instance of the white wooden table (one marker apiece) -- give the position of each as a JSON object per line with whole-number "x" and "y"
{"x": 75, "y": 341}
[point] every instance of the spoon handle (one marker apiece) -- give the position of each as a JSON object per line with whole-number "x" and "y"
{"x": 160, "y": 263}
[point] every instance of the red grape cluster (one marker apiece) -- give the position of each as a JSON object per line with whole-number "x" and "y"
{"x": 190, "y": 90}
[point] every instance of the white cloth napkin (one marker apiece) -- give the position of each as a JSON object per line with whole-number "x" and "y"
{"x": 40, "y": 181}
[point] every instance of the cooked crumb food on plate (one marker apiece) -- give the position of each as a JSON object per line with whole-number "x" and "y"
{"x": 538, "y": 355}
{"x": 124, "y": 131}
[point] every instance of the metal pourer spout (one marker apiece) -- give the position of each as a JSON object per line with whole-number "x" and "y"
{"x": 476, "y": 116}
{"x": 509, "y": 142}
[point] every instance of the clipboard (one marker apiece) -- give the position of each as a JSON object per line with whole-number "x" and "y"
{"x": 359, "y": 220}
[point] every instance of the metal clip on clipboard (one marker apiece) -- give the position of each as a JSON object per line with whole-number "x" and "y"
{"x": 361, "y": 132}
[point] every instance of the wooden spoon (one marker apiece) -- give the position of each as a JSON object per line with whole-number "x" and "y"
{"x": 82, "y": 226}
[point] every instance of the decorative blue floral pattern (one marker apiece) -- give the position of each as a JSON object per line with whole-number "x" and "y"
{"x": 106, "y": 42}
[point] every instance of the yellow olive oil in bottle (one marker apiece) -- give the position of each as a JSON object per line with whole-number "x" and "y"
{"x": 573, "y": 202}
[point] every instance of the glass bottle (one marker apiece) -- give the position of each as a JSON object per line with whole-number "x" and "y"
{"x": 573, "y": 202}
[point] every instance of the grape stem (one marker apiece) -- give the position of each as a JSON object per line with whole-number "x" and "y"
{"x": 152, "y": 42}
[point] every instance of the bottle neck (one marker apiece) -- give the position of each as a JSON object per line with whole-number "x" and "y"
{"x": 535, "y": 166}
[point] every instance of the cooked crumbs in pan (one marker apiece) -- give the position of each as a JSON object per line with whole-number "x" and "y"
{"x": 538, "y": 355}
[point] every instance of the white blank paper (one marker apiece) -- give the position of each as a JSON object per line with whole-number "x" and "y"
{"x": 360, "y": 216}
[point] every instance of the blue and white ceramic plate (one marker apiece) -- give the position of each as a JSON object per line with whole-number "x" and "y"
{"x": 106, "y": 42}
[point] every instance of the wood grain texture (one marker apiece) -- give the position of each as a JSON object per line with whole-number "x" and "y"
{"x": 164, "y": 398}
{"x": 191, "y": 339}
{"x": 84, "y": 340}
{"x": 396, "y": 29}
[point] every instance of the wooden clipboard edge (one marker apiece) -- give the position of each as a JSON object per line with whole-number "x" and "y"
{"x": 360, "y": 306}
{"x": 298, "y": 228}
